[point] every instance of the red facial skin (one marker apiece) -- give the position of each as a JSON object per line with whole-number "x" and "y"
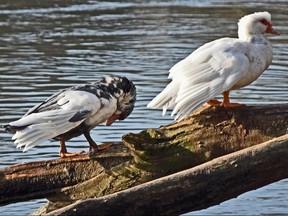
{"x": 269, "y": 28}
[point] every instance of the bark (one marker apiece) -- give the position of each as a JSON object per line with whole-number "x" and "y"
{"x": 207, "y": 134}
{"x": 33, "y": 180}
{"x": 195, "y": 188}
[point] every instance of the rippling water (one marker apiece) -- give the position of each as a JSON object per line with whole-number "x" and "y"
{"x": 49, "y": 45}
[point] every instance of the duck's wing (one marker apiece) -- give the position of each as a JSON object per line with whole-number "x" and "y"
{"x": 209, "y": 71}
{"x": 57, "y": 115}
{"x": 49, "y": 104}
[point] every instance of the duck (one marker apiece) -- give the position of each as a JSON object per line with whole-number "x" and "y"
{"x": 218, "y": 67}
{"x": 74, "y": 111}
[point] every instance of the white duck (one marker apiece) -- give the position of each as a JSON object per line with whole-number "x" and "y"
{"x": 75, "y": 111}
{"x": 218, "y": 67}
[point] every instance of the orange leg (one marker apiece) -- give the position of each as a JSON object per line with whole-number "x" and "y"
{"x": 63, "y": 151}
{"x": 225, "y": 103}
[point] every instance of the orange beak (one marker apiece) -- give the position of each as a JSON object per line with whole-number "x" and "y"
{"x": 111, "y": 119}
{"x": 271, "y": 30}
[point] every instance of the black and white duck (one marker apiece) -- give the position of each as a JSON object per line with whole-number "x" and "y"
{"x": 75, "y": 111}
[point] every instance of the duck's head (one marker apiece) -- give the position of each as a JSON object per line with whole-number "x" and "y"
{"x": 125, "y": 92}
{"x": 255, "y": 24}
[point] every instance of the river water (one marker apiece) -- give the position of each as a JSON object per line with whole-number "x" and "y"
{"x": 49, "y": 45}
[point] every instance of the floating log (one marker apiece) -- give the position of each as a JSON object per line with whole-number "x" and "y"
{"x": 154, "y": 153}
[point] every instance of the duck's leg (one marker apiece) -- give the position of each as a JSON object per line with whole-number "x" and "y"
{"x": 63, "y": 150}
{"x": 226, "y": 101}
{"x": 93, "y": 145}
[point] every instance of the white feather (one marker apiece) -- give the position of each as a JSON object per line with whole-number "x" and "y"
{"x": 215, "y": 67}
{"x": 43, "y": 126}
{"x": 166, "y": 98}
{"x": 46, "y": 125}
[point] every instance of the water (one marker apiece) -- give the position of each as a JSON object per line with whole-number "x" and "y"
{"x": 49, "y": 45}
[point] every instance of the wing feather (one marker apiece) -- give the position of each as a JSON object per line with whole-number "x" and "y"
{"x": 207, "y": 72}
{"x": 73, "y": 107}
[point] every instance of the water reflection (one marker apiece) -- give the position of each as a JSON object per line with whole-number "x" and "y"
{"x": 49, "y": 45}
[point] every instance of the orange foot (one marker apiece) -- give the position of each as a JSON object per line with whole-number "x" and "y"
{"x": 225, "y": 103}
{"x": 214, "y": 102}
{"x": 100, "y": 147}
{"x": 232, "y": 104}
{"x": 104, "y": 146}
{"x": 68, "y": 154}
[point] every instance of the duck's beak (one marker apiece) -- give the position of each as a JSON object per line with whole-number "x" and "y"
{"x": 111, "y": 119}
{"x": 271, "y": 30}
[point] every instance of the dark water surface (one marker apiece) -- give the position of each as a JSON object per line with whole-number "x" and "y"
{"x": 49, "y": 45}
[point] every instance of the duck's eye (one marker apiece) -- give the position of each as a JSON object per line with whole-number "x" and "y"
{"x": 265, "y": 22}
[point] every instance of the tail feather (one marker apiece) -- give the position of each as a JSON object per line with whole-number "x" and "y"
{"x": 25, "y": 137}
{"x": 196, "y": 93}
{"x": 166, "y": 99}
{"x": 39, "y": 127}
{"x": 28, "y": 144}
{"x": 12, "y": 129}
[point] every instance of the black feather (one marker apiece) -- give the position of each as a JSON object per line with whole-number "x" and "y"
{"x": 79, "y": 116}
{"x": 13, "y": 129}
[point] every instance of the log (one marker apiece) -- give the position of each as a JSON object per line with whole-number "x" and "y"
{"x": 154, "y": 153}
{"x": 39, "y": 179}
{"x": 196, "y": 188}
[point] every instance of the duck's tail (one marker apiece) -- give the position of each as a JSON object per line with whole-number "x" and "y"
{"x": 166, "y": 99}
{"x": 39, "y": 127}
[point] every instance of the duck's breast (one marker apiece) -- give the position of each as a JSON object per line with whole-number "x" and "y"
{"x": 260, "y": 57}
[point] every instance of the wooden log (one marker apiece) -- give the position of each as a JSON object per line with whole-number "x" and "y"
{"x": 39, "y": 179}
{"x": 195, "y": 188}
{"x": 205, "y": 135}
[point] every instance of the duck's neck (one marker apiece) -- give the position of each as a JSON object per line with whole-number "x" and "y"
{"x": 252, "y": 38}
{"x": 245, "y": 35}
